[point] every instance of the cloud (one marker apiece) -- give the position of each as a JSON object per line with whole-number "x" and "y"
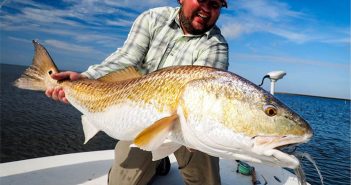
{"x": 289, "y": 34}
{"x": 272, "y": 10}
{"x": 238, "y": 28}
{"x": 76, "y": 21}
{"x": 119, "y": 22}
{"x": 20, "y": 39}
{"x": 256, "y": 16}
{"x": 138, "y": 5}
{"x": 235, "y": 29}
{"x": 278, "y": 19}
{"x": 49, "y": 16}
{"x": 345, "y": 40}
{"x": 104, "y": 22}
{"x": 4, "y": 3}
{"x": 287, "y": 60}
{"x": 338, "y": 36}
{"x": 69, "y": 46}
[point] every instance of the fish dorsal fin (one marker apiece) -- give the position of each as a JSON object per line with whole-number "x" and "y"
{"x": 127, "y": 73}
{"x": 153, "y": 136}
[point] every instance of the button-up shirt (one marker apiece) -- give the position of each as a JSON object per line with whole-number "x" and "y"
{"x": 156, "y": 40}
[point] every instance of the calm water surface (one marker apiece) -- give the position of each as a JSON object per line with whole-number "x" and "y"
{"x": 34, "y": 126}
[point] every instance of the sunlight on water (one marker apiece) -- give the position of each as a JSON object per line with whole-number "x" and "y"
{"x": 299, "y": 172}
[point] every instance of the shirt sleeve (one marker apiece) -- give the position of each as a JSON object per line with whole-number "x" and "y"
{"x": 215, "y": 55}
{"x": 131, "y": 54}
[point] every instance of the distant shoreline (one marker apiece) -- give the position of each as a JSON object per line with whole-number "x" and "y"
{"x": 287, "y": 93}
{"x": 26, "y": 66}
{"x": 275, "y": 92}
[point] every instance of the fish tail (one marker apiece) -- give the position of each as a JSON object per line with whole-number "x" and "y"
{"x": 38, "y": 75}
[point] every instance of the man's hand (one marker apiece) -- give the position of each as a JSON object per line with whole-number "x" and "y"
{"x": 57, "y": 93}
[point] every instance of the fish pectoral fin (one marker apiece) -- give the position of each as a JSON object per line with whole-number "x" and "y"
{"x": 88, "y": 128}
{"x": 154, "y": 136}
{"x": 127, "y": 73}
{"x": 164, "y": 150}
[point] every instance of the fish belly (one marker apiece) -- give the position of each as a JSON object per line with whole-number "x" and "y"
{"x": 123, "y": 121}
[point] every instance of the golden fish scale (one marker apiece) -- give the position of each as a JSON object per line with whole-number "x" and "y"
{"x": 229, "y": 97}
{"x": 161, "y": 88}
{"x": 232, "y": 98}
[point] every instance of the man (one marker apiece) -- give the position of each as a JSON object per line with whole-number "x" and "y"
{"x": 159, "y": 38}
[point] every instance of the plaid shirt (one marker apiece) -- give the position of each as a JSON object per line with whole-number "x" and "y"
{"x": 156, "y": 40}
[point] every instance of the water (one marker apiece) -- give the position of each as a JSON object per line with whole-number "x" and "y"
{"x": 330, "y": 146}
{"x": 299, "y": 172}
{"x": 34, "y": 126}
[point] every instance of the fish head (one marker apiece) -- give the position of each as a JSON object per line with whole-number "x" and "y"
{"x": 267, "y": 123}
{"x": 280, "y": 127}
{"x": 227, "y": 116}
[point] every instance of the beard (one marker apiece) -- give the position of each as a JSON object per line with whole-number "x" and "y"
{"x": 186, "y": 24}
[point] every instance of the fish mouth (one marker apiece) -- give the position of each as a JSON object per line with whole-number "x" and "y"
{"x": 288, "y": 149}
{"x": 280, "y": 142}
{"x": 280, "y": 148}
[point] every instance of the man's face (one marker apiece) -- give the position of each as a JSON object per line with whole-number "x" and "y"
{"x": 198, "y": 16}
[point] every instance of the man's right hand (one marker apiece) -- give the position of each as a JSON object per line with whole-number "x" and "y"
{"x": 57, "y": 93}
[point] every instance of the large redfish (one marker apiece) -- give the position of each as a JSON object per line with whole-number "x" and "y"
{"x": 203, "y": 108}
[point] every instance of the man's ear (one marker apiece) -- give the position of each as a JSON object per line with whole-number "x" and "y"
{"x": 180, "y": 1}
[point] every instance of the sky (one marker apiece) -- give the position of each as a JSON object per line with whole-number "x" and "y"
{"x": 309, "y": 39}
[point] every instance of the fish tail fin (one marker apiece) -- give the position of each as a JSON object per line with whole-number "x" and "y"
{"x": 38, "y": 75}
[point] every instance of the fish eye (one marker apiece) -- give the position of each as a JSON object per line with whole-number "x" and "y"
{"x": 270, "y": 110}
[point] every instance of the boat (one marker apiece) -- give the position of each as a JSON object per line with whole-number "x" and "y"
{"x": 91, "y": 168}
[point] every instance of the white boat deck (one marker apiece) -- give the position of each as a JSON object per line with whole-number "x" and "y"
{"x": 91, "y": 168}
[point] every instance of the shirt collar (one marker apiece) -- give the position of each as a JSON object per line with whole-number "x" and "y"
{"x": 174, "y": 21}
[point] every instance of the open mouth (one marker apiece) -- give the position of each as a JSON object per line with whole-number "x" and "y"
{"x": 202, "y": 15}
{"x": 286, "y": 144}
{"x": 279, "y": 149}
{"x": 288, "y": 149}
